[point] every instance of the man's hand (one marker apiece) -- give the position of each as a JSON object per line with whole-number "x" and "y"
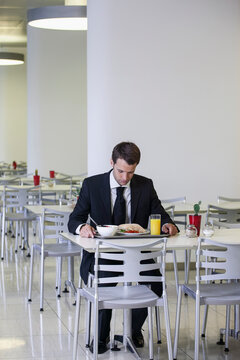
{"x": 87, "y": 231}
{"x": 169, "y": 229}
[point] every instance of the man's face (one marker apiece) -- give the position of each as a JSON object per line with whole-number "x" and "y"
{"x": 122, "y": 171}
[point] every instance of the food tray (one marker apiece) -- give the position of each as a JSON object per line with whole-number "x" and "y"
{"x": 135, "y": 236}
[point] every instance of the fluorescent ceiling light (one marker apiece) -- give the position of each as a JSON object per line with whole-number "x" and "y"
{"x": 59, "y": 17}
{"x": 8, "y": 58}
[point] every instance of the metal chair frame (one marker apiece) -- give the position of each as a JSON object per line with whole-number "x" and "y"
{"x": 206, "y": 291}
{"x": 52, "y": 223}
{"x": 126, "y": 296}
{"x": 14, "y": 200}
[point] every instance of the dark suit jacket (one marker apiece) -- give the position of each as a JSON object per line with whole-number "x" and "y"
{"x": 95, "y": 200}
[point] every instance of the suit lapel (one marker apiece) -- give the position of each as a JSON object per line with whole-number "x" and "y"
{"x": 135, "y": 193}
{"x": 105, "y": 195}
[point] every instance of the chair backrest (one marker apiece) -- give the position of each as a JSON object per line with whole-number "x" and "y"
{"x": 53, "y": 223}
{"x": 15, "y": 197}
{"x": 67, "y": 179}
{"x": 212, "y": 255}
{"x": 223, "y": 198}
{"x": 226, "y": 225}
{"x": 130, "y": 266}
{"x": 170, "y": 210}
{"x": 174, "y": 200}
{"x": 223, "y": 214}
{"x": 10, "y": 181}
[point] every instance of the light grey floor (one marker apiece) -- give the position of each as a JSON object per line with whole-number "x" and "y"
{"x": 27, "y": 333}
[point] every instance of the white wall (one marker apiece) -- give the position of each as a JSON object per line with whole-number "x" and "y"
{"x": 13, "y": 112}
{"x": 57, "y": 118}
{"x": 166, "y": 75}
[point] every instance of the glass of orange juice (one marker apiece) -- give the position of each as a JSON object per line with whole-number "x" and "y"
{"x": 155, "y": 224}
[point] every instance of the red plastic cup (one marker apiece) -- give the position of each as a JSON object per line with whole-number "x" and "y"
{"x": 36, "y": 180}
{"x": 52, "y": 174}
{"x": 196, "y": 221}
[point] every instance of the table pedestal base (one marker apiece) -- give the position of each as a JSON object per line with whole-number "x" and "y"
{"x": 126, "y": 338}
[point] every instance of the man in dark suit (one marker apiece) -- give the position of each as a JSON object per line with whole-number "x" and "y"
{"x": 98, "y": 198}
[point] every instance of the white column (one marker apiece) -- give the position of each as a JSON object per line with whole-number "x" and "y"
{"x": 57, "y": 118}
{"x": 166, "y": 75}
{"x": 13, "y": 112}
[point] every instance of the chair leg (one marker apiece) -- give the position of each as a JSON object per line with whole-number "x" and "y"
{"x": 187, "y": 264}
{"x": 42, "y": 282}
{"x": 95, "y": 341}
{"x": 76, "y": 326}
{"x": 59, "y": 276}
{"x": 16, "y": 238}
{"x": 88, "y": 323}
{"x": 204, "y": 325}
{"x": 31, "y": 275}
{"x": 150, "y": 333}
{"x": 167, "y": 324}
{"x": 177, "y": 322}
{"x": 175, "y": 269}
{"x": 3, "y": 238}
{"x": 158, "y": 324}
{"x": 88, "y": 315}
{"x": 228, "y": 307}
{"x": 197, "y": 327}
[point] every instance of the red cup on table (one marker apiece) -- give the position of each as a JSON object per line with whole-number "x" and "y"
{"x": 196, "y": 221}
{"x": 36, "y": 180}
{"x": 52, "y": 174}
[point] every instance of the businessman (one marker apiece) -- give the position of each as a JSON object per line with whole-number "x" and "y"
{"x": 116, "y": 197}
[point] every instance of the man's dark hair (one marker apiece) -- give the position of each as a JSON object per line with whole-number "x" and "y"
{"x": 127, "y": 151}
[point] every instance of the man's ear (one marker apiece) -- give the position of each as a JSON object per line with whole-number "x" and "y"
{"x": 111, "y": 162}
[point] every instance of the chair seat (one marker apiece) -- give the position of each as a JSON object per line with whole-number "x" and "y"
{"x": 61, "y": 250}
{"x": 115, "y": 297}
{"x": 211, "y": 294}
{"x": 20, "y": 217}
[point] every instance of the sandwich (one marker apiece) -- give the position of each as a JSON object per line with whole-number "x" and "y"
{"x": 131, "y": 228}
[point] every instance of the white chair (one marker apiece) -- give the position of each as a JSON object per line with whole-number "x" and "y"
{"x": 126, "y": 296}
{"x": 222, "y": 199}
{"x": 180, "y": 219}
{"x": 172, "y": 201}
{"x": 206, "y": 291}
{"x": 222, "y": 214}
{"x": 14, "y": 200}
{"x": 218, "y": 225}
{"x": 51, "y": 244}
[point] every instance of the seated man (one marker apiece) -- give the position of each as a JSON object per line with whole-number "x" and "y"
{"x": 117, "y": 197}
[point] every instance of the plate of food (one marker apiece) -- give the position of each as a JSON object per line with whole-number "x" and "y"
{"x": 131, "y": 230}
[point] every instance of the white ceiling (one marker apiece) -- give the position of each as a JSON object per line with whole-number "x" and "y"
{"x": 13, "y": 20}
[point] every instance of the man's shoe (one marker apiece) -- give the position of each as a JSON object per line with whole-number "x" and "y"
{"x": 102, "y": 346}
{"x": 138, "y": 339}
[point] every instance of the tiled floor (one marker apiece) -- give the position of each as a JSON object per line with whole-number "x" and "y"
{"x": 27, "y": 333}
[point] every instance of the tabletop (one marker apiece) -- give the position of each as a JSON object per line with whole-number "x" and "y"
{"x": 177, "y": 242}
{"x": 187, "y": 208}
{"x": 38, "y": 209}
{"x": 59, "y": 188}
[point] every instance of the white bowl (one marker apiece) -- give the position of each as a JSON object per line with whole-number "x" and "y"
{"x": 107, "y": 230}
